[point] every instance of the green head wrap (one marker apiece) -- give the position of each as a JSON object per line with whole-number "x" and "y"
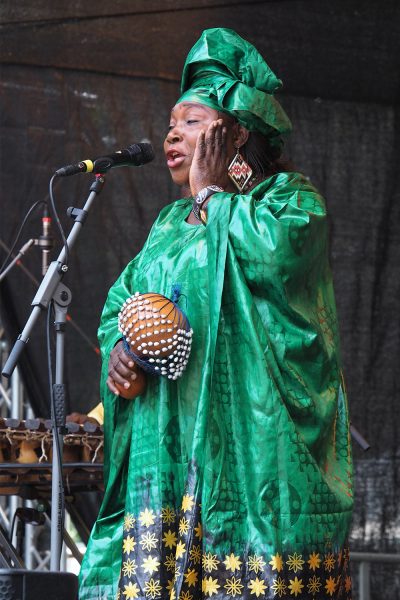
{"x": 225, "y": 72}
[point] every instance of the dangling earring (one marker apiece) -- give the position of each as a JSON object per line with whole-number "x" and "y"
{"x": 240, "y": 172}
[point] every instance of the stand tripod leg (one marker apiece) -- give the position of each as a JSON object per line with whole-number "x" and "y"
{"x": 8, "y": 554}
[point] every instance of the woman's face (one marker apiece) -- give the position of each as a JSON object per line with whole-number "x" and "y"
{"x": 187, "y": 120}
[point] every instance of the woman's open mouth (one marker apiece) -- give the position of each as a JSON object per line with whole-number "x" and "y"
{"x": 174, "y": 159}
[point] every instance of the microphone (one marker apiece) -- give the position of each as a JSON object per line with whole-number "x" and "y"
{"x": 135, "y": 155}
{"x": 45, "y": 241}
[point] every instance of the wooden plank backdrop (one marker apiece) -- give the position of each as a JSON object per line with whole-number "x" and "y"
{"x": 317, "y": 47}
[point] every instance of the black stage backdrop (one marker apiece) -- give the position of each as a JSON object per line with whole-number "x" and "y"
{"x": 81, "y": 79}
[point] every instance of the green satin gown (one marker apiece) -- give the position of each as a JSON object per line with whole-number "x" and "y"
{"x": 235, "y": 481}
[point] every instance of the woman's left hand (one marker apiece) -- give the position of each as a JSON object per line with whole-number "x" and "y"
{"x": 210, "y": 159}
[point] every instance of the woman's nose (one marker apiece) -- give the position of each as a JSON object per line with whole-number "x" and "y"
{"x": 174, "y": 135}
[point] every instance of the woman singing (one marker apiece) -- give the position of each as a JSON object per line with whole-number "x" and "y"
{"x": 235, "y": 479}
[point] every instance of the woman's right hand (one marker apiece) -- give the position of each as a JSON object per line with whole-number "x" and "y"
{"x": 120, "y": 369}
{"x": 210, "y": 160}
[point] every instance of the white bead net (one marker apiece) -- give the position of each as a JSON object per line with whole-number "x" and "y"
{"x": 156, "y": 334}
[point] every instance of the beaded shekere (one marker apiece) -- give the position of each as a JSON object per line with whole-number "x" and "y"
{"x": 156, "y": 333}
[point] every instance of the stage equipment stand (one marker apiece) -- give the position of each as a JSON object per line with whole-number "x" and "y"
{"x": 16, "y": 258}
{"x": 51, "y": 289}
{"x": 16, "y": 413}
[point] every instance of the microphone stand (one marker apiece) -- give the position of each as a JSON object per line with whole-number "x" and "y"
{"x": 51, "y": 289}
{"x": 15, "y": 260}
{"x": 45, "y": 244}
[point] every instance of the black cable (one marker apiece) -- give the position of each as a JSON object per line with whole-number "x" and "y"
{"x": 32, "y": 208}
{"x": 56, "y": 440}
{"x": 12, "y": 526}
{"x": 57, "y": 220}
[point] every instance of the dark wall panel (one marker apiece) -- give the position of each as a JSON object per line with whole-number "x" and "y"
{"x": 78, "y": 81}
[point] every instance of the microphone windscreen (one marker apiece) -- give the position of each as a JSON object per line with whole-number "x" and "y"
{"x": 141, "y": 153}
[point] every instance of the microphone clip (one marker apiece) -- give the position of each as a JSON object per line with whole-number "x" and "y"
{"x": 79, "y": 215}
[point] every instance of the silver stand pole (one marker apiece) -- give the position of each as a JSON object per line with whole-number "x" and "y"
{"x": 62, "y": 299}
{"x": 16, "y": 413}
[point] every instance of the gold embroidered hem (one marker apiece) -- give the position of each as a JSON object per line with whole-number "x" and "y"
{"x": 165, "y": 557}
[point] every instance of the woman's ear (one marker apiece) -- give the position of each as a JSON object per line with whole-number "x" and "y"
{"x": 241, "y": 135}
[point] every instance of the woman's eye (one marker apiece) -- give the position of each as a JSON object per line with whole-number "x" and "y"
{"x": 189, "y": 122}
